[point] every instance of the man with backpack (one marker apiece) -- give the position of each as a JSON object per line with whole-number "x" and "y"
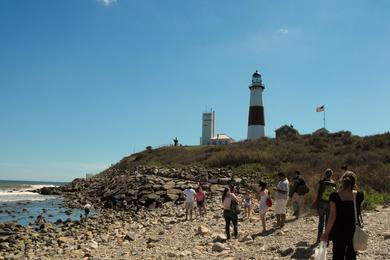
{"x": 297, "y": 192}
{"x": 325, "y": 187}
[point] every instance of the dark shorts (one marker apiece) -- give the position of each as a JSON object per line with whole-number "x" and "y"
{"x": 200, "y": 204}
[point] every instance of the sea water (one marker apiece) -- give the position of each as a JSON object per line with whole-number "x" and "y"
{"x": 19, "y": 203}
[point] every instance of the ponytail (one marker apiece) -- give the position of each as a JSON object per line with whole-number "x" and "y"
{"x": 225, "y": 192}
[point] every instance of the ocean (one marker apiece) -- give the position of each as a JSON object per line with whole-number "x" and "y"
{"x": 18, "y": 203}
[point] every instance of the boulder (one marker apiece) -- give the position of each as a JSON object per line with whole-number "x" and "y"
{"x": 219, "y": 247}
{"x": 246, "y": 238}
{"x": 169, "y": 185}
{"x": 50, "y": 191}
{"x": 151, "y": 197}
{"x": 213, "y": 180}
{"x": 93, "y": 244}
{"x": 224, "y": 181}
{"x": 172, "y": 197}
{"x": 219, "y": 238}
{"x": 202, "y": 230}
{"x": 152, "y": 239}
{"x": 216, "y": 188}
{"x": 303, "y": 253}
{"x": 64, "y": 240}
{"x": 285, "y": 252}
{"x": 130, "y": 236}
{"x": 174, "y": 191}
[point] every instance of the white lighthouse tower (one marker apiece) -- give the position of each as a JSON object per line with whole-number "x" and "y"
{"x": 208, "y": 127}
{"x": 256, "y": 110}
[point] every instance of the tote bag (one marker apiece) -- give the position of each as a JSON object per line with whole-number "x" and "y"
{"x": 320, "y": 252}
{"x": 360, "y": 237}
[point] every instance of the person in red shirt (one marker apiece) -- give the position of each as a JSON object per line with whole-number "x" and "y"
{"x": 200, "y": 201}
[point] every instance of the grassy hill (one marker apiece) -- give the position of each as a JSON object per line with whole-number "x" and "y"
{"x": 368, "y": 157}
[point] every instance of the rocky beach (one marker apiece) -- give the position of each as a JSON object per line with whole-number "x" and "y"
{"x": 153, "y": 226}
{"x": 163, "y": 234}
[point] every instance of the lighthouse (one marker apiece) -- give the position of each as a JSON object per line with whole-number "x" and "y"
{"x": 256, "y": 110}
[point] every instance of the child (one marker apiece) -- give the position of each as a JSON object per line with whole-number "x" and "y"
{"x": 247, "y": 204}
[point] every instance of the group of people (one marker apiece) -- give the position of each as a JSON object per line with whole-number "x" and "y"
{"x": 198, "y": 196}
{"x": 335, "y": 207}
{"x": 341, "y": 211}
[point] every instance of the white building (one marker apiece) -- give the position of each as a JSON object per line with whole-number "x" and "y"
{"x": 208, "y": 127}
{"x": 256, "y": 123}
{"x": 221, "y": 139}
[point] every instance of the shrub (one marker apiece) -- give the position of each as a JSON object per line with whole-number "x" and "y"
{"x": 372, "y": 199}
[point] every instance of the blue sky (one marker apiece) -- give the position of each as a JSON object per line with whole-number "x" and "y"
{"x": 85, "y": 83}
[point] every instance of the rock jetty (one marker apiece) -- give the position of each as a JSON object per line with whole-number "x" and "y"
{"x": 145, "y": 186}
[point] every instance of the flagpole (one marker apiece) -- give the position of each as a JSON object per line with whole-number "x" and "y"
{"x": 324, "y": 119}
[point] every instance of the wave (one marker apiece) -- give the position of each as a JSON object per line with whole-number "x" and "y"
{"x": 23, "y": 192}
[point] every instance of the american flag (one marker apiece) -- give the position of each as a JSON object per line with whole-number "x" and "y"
{"x": 320, "y": 109}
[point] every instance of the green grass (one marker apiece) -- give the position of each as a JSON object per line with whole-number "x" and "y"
{"x": 372, "y": 199}
{"x": 368, "y": 157}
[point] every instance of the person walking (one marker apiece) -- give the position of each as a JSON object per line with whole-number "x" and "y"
{"x": 263, "y": 205}
{"x": 189, "y": 194}
{"x": 281, "y": 198}
{"x": 87, "y": 209}
{"x": 341, "y": 223}
{"x": 325, "y": 187}
{"x": 228, "y": 199}
{"x": 200, "y": 201}
{"x": 297, "y": 193}
{"x": 247, "y": 204}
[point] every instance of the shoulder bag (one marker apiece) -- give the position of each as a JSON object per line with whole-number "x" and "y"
{"x": 360, "y": 237}
{"x": 234, "y": 207}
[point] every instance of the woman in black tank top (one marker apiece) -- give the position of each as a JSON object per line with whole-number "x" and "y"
{"x": 341, "y": 224}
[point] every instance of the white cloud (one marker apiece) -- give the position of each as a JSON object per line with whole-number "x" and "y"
{"x": 283, "y": 31}
{"x": 107, "y": 2}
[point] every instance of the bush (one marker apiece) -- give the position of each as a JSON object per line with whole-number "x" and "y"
{"x": 372, "y": 199}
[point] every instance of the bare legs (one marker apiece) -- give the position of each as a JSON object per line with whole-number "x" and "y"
{"x": 248, "y": 212}
{"x": 189, "y": 208}
{"x": 280, "y": 219}
{"x": 262, "y": 218}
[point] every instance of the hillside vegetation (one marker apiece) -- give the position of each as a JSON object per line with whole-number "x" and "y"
{"x": 368, "y": 156}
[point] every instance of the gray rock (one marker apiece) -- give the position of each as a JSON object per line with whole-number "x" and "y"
{"x": 202, "y": 230}
{"x": 172, "y": 197}
{"x": 286, "y": 252}
{"x": 224, "y": 181}
{"x": 303, "y": 253}
{"x": 93, "y": 244}
{"x": 130, "y": 236}
{"x": 4, "y": 246}
{"x": 219, "y": 247}
{"x": 153, "y": 239}
{"x": 174, "y": 191}
{"x": 246, "y": 238}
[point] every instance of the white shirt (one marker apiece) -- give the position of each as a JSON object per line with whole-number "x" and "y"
{"x": 190, "y": 194}
{"x": 284, "y": 186}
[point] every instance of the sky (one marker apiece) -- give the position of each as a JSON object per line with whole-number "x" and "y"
{"x": 84, "y": 83}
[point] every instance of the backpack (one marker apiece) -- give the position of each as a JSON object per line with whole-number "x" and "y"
{"x": 327, "y": 189}
{"x": 302, "y": 189}
{"x": 234, "y": 207}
